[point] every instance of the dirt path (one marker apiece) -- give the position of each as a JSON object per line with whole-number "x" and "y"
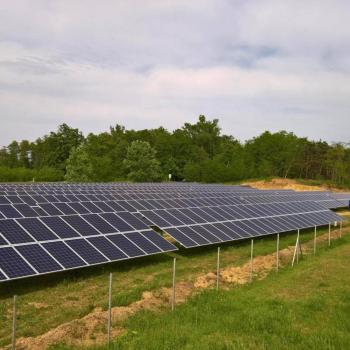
{"x": 91, "y": 329}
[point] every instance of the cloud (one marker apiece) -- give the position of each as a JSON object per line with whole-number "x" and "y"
{"x": 255, "y": 65}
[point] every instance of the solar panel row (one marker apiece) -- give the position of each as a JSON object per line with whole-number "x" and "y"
{"x": 46, "y": 228}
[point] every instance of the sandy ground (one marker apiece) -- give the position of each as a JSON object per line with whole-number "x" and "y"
{"x": 91, "y": 329}
{"x": 286, "y": 184}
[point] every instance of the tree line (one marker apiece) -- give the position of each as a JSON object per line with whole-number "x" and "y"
{"x": 194, "y": 152}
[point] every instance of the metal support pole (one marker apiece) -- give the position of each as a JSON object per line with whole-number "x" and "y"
{"x": 278, "y": 253}
{"x": 174, "y": 287}
{"x": 329, "y": 235}
{"x": 110, "y": 308}
{"x": 251, "y": 260}
{"x": 14, "y": 322}
{"x": 295, "y": 255}
{"x": 315, "y": 237}
{"x": 218, "y": 269}
{"x": 341, "y": 228}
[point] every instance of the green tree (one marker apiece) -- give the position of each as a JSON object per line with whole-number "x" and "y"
{"x": 141, "y": 163}
{"x": 53, "y": 150}
{"x": 78, "y": 168}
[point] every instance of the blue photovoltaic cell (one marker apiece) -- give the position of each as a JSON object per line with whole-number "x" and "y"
{"x": 78, "y": 208}
{"x": 2, "y": 277}
{"x": 86, "y": 251}
{"x": 2, "y": 216}
{"x": 204, "y": 233}
{"x": 63, "y": 254}
{"x": 116, "y": 207}
{"x": 218, "y": 233}
{"x": 184, "y": 218}
{"x": 107, "y": 248}
{"x": 61, "y": 198}
{"x": 28, "y": 199}
{"x": 91, "y": 207}
{"x": 13, "y": 232}
{"x": 15, "y": 199}
{"x": 237, "y": 230}
{"x": 37, "y": 229}
{"x": 159, "y": 240}
{"x": 2, "y": 241}
{"x": 181, "y": 238}
{"x": 38, "y": 258}
{"x": 126, "y": 206}
{"x": 117, "y": 222}
{"x": 192, "y": 215}
{"x": 168, "y": 217}
{"x": 39, "y": 199}
{"x": 13, "y": 265}
{"x": 50, "y": 209}
{"x": 155, "y": 219}
{"x": 193, "y": 235}
{"x": 104, "y": 207}
{"x": 65, "y": 208}
{"x": 40, "y": 211}
{"x": 80, "y": 225}
{"x": 100, "y": 224}
{"x": 125, "y": 245}
{"x": 25, "y": 210}
{"x": 142, "y": 242}
{"x": 132, "y": 220}
{"x": 50, "y": 198}
{"x": 57, "y": 225}
{"x": 9, "y": 211}
{"x": 3, "y": 200}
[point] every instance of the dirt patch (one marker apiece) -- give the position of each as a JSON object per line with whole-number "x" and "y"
{"x": 39, "y": 305}
{"x": 284, "y": 184}
{"x": 91, "y": 330}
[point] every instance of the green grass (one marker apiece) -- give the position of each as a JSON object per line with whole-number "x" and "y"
{"x": 307, "y": 307}
{"x": 71, "y": 295}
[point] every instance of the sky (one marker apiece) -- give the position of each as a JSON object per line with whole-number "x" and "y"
{"x": 255, "y": 65}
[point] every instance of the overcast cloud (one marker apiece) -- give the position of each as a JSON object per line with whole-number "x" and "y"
{"x": 255, "y": 65}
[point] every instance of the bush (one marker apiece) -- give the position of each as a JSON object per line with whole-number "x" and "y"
{"x": 26, "y": 174}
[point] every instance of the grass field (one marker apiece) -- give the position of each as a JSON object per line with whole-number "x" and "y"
{"x": 48, "y": 301}
{"x": 306, "y": 307}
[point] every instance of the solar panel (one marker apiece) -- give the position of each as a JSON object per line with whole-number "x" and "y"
{"x": 58, "y": 226}
{"x": 13, "y": 265}
{"x": 13, "y": 232}
{"x": 107, "y": 248}
{"x": 38, "y": 258}
{"x": 126, "y": 245}
{"x": 86, "y": 251}
{"x": 79, "y": 225}
{"x": 99, "y": 223}
{"x": 37, "y": 229}
{"x": 9, "y": 211}
{"x": 117, "y": 222}
{"x": 62, "y": 253}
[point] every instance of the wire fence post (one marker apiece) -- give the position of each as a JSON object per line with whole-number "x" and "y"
{"x": 341, "y": 228}
{"x": 110, "y": 309}
{"x": 251, "y": 260}
{"x": 278, "y": 252}
{"x": 218, "y": 269}
{"x": 315, "y": 240}
{"x": 14, "y": 322}
{"x": 295, "y": 255}
{"x": 174, "y": 287}
{"x": 298, "y": 246}
{"x": 329, "y": 234}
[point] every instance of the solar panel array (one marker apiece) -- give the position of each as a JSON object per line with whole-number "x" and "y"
{"x": 46, "y": 228}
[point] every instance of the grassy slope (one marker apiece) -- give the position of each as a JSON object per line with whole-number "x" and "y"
{"x": 306, "y": 307}
{"x": 71, "y": 295}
